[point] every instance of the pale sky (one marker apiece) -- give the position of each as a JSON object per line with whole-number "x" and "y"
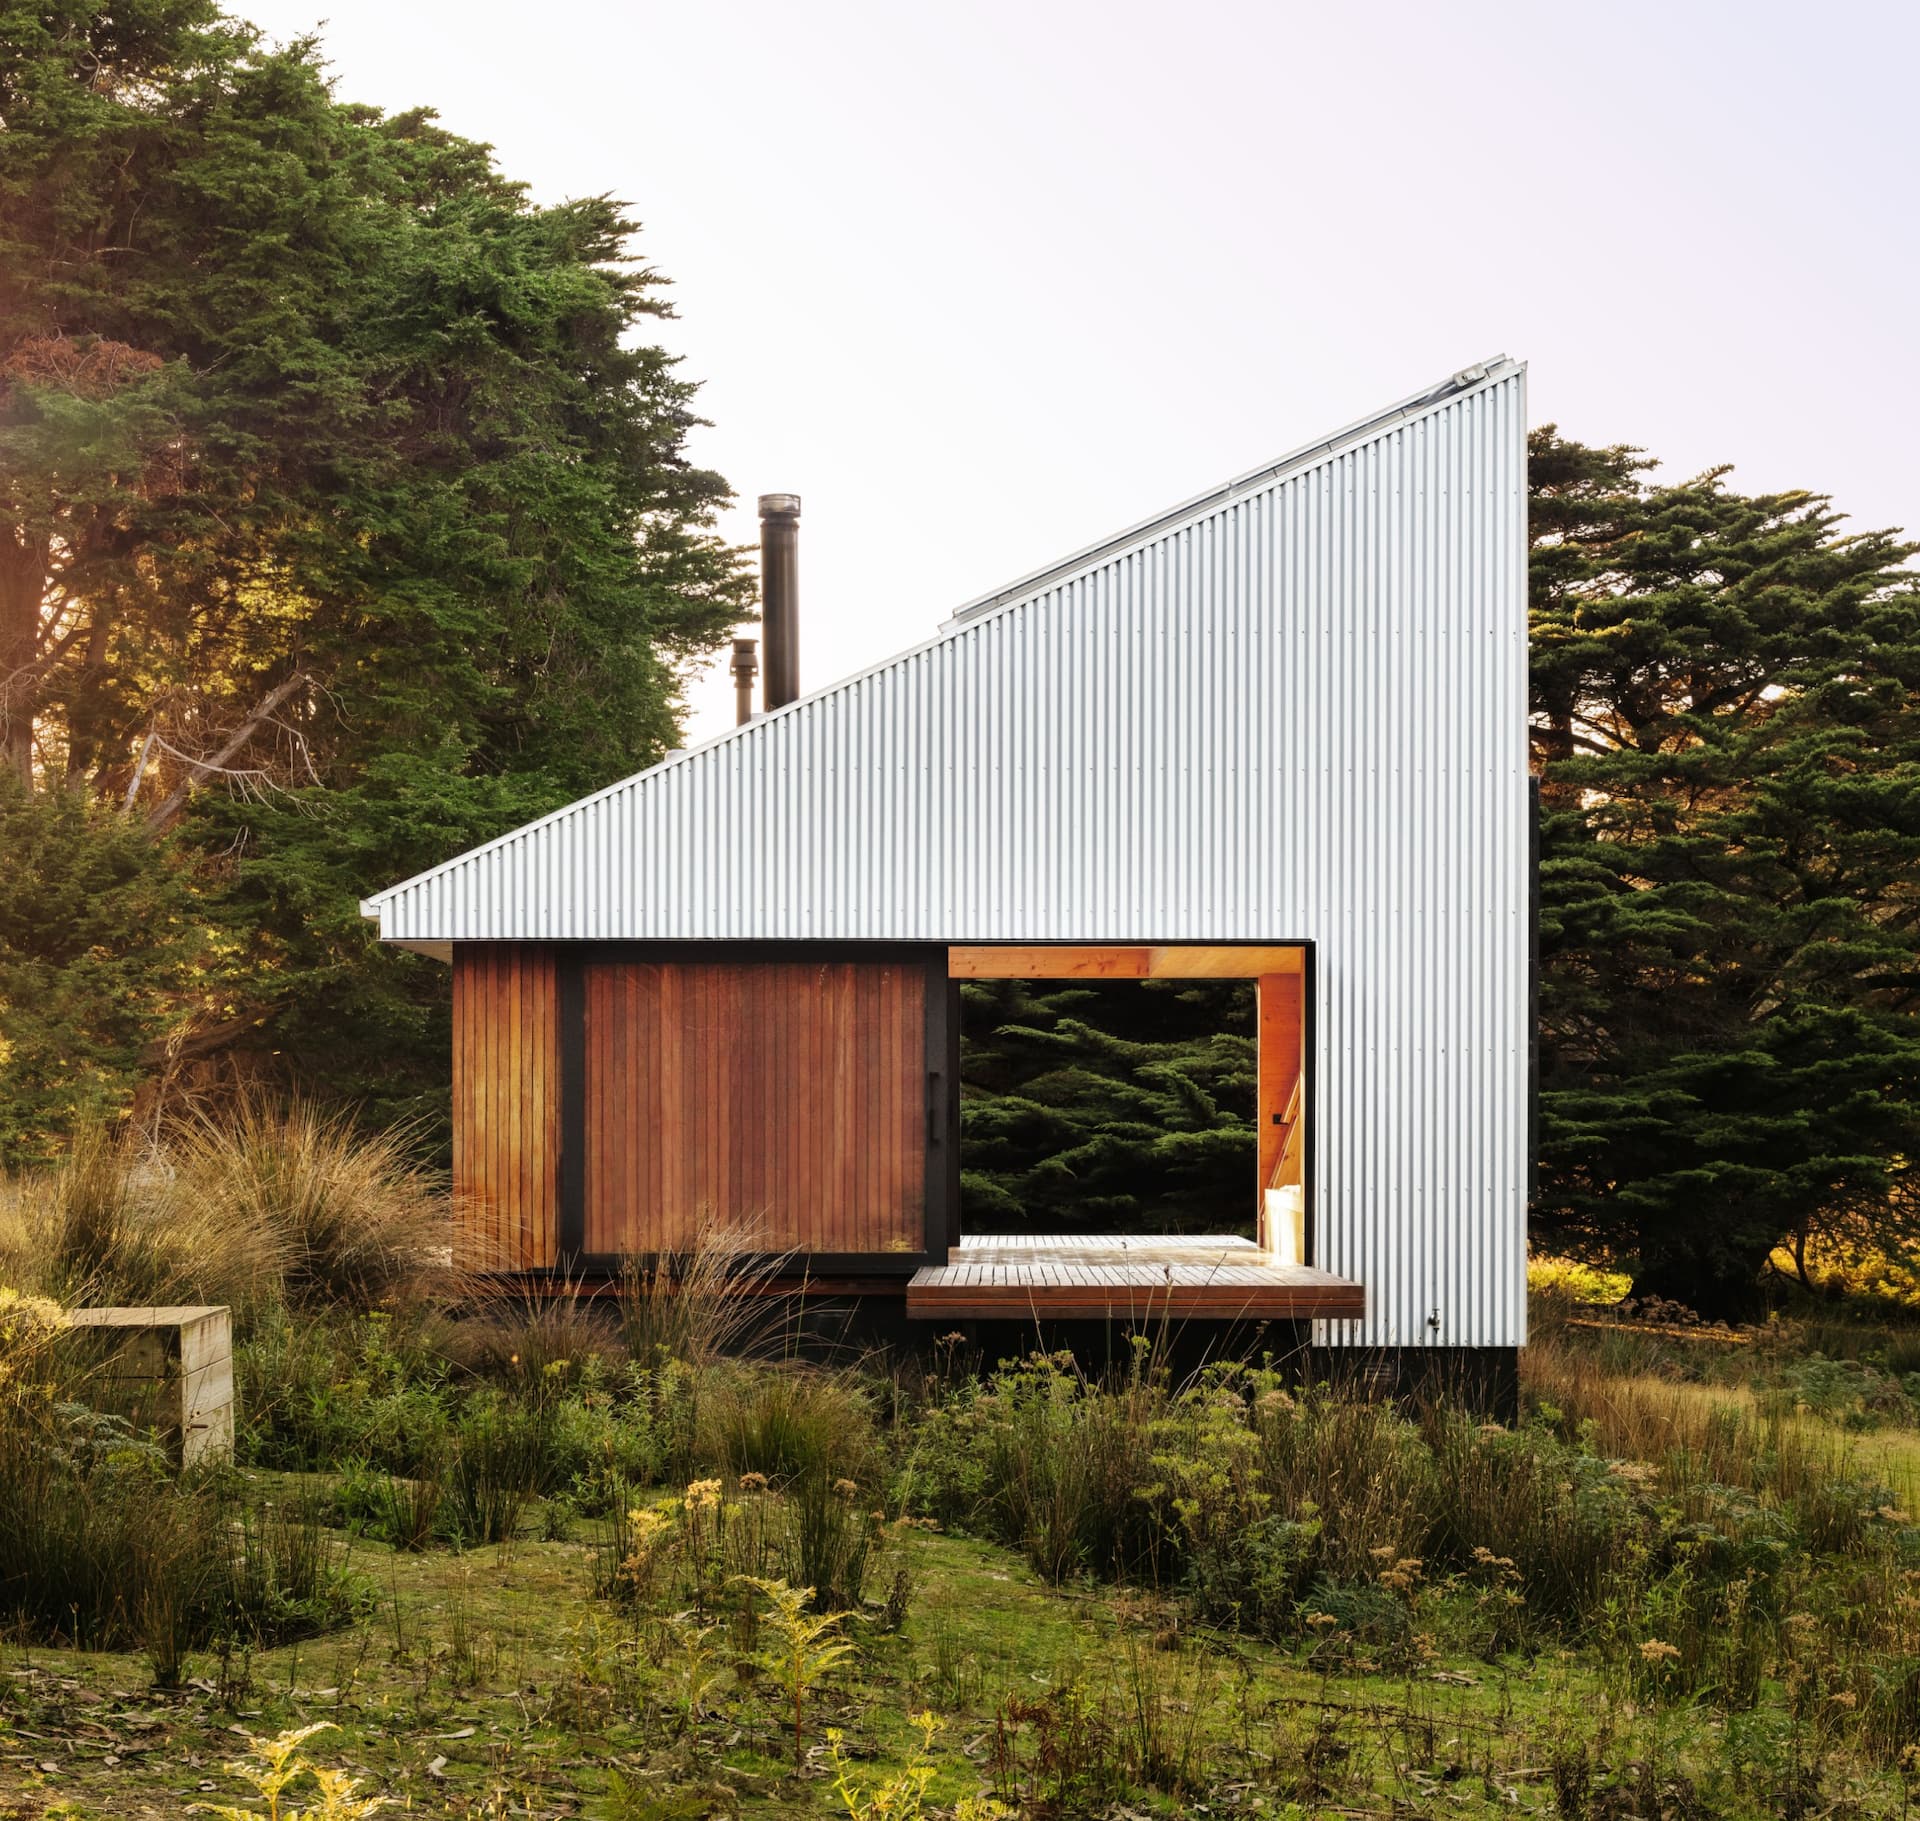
{"x": 983, "y": 283}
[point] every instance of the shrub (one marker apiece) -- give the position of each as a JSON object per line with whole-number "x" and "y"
{"x": 1568, "y": 1524}
{"x": 499, "y": 1457}
{"x": 787, "y": 1422}
{"x": 1064, "y": 1466}
{"x": 637, "y": 1433}
{"x": 317, "y": 1393}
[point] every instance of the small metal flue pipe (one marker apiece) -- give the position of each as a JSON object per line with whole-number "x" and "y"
{"x": 746, "y": 666}
{"x": 780, "y": 595}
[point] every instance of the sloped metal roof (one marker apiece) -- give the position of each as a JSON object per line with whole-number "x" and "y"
{"x": 952, "y": 792}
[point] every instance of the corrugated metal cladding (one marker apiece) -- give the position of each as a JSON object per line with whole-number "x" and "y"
{"x": 1297, "y": 714}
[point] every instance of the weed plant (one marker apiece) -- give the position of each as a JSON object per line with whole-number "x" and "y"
{"x": 1699, "y": 1544}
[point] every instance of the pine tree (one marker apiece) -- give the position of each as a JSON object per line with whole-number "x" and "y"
{"x": 1104, "y": 1106}
{"x": 1724, "y": 713}
{"x": 99, "y": 948}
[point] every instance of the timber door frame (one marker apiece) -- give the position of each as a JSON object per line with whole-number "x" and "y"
{"x": 1178, "y": 960}
{"x": 940, "y": 1196}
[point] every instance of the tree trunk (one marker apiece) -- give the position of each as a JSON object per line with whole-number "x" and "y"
{"x": 23, "y": 581}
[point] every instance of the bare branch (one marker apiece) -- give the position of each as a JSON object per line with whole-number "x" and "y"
{"x": 140, "y": 769}
{"x": 164, "y": 815}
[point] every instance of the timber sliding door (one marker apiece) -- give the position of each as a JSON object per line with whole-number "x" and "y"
{"x": 506, "y": 1106}
{"x": 787, "y": 1099}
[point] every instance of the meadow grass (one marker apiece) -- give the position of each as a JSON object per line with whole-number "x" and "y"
{"x": 530, "y": 1556}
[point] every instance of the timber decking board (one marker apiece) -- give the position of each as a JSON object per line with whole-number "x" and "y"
{"x": 1014, "y": 1275}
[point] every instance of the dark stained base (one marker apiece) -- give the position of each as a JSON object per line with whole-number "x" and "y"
{"x": 1482, "y": 1379}
{"x": 839, "y": 1319}
{"x": 1138, "y": 1277}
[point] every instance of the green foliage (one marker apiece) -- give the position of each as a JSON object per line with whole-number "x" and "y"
{"x": 1724, "y": 707}
{"x": 1091, "y": 1105}
{"x": 798, "y": 1423}
{"x": 276, "y": 1765}
{"x": 835, "y": 1538}
{"x": 498, "y": 1461}
{"x": 903, "y": 1797}
{"x": 1362, "y": 1533}
{"x": 103, "y": 1547}
{"x": 99, "y": 949}
{"x": 335, "y": 473}
{"x": 806, "y": 1644}
{"x": 319, "y": 1394}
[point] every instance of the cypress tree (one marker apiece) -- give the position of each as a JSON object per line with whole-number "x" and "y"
{"x": 1724, "y": 719}
{"x": 345, "y": 511}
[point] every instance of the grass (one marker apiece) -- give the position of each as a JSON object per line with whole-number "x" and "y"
{"x": 488, "y": 1683}
{"x": 270, "y": 1207}
{"x": 550, "y": 1717}
{"x": 545, "y": 1559}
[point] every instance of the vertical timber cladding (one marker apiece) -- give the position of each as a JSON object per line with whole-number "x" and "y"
{"x": 789, "y": 1099}
{"x": 506, "y": 1104}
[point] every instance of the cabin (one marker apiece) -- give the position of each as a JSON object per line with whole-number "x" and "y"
{"x": 1276, "y": 733}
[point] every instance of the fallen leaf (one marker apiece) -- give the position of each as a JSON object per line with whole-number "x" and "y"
{"x": 437, "y": 1769}
{"x": 465, "y": 1732}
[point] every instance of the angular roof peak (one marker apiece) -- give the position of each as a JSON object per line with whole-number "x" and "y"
{"x": 974, "y": 788}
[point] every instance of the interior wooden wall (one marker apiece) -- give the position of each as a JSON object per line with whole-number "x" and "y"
{"x": 788, "y": 1098}
{"x": 506, "y": 1104}
{"x": 1282, "y": 1050}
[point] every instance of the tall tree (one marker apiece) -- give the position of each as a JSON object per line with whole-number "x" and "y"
{"x": 345, "y": 516}
{"x": 1727, "y": 728}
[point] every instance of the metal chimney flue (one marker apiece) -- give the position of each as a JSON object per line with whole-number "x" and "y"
{"x": 780, "y": 595}
{"x": 746, "y": 666}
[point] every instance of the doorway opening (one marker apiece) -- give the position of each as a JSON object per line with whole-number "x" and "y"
{"x": 1134, "y": 1092}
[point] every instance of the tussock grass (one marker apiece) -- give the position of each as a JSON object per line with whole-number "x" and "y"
{"x": 118, "y": 1223}
{"x": 707, "y": 1302}
{"x": 349, "y": 1218}
{"x": 266, "y": 1206}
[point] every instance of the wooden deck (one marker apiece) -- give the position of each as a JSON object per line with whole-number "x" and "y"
{"x": 1106, "y": 1276}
